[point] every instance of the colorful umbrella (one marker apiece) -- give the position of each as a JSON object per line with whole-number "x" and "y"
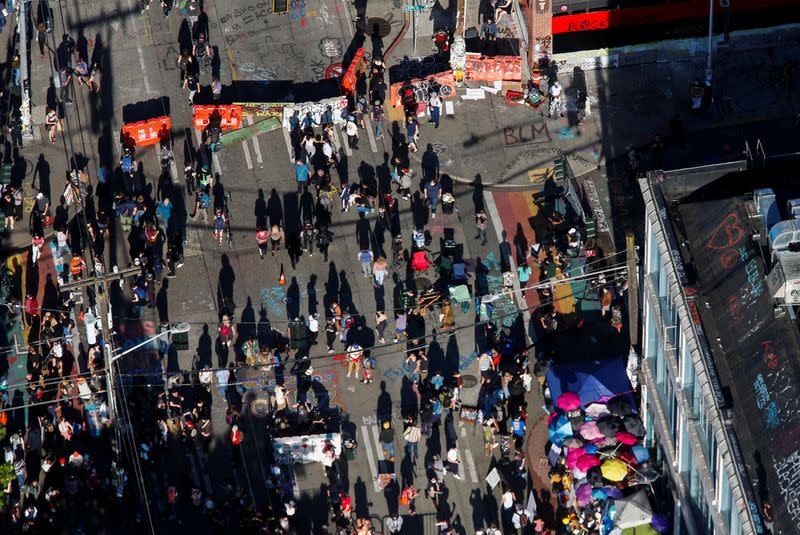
{"x": 660, "y": 523}
{"x": 626, "y": 438}
{"x": 568, "y": 401}
{"x": 597, "y": 410}
{"x": 589, "y": 431}
{"x": 639, "y": 452}
{"x": 590, "y": 448}
{"x": 634, "y": 426}
{"x": 573, "y": 442}
{"x": 608, "y": 427}
{"x": 614, "y": 470}
{"x": 583, "y": 494}
{"x": 559, "y": 429}
{"x": 594, "y": 478}
{"x": 620, "y": 406}
{"x": 599, "y": 494}
{"x": 585, "y": 462}
{"x": 573, "y": 456}
{"x": 613, "y": 492}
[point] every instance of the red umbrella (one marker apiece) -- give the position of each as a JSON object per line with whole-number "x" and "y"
{"x": 586, "y": 462}
{"x": 568, "y": 401}
{"x": 626, "y": 438}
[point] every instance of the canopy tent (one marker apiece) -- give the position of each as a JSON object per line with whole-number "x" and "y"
{"x": 633, "y": 511}
{"x": 592, "y": 380}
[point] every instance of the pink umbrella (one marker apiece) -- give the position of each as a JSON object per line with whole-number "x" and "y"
{"x": 626, "y": 438}
{"x": 586, "y": 462}
{"x": 597, "y": 410}
{"x": 568, "y": 401}
{"x": 573, "y": 456}
{"x": 589, "y": 431}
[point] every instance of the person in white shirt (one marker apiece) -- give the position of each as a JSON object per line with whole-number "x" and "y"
{"x": 351, "y": 129}
{"x": 453, "y": 461}
{"x": 555, "y": 100}
{"x": 522, "y": 517}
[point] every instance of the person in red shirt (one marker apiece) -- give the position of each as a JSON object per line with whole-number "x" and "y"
{"x": 31, "y": 309}
{"x": 236, "y": 444}
{"x": 346, "y": 504}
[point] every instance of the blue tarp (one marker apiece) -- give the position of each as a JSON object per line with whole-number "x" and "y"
{"x": 592, "y": 380}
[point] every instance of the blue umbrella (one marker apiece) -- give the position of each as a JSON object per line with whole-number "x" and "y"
{"x": 559, "y": 429}
{"x": 599, "y": 494}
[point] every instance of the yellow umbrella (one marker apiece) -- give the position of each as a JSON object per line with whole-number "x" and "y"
{"x": 614, "y": 470}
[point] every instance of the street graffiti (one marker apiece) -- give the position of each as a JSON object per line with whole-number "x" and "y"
{"x": 256, "y": 72}
{"x": 444, "y": 84}
{"x": 566, "y": 133}
{"x": 329, "y": 379}
{"x": 392, "y": 374}
{"x": 520, "y": 136}
{"x": 330, "y": 47}
{"x": 492, "y": 68}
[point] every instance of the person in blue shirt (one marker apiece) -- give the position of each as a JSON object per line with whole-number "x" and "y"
{"x": 518, "y": 430}
{"x": 412, "y": 130}
{"x": 164, "y": 212}
{"x": 301, "y": 174}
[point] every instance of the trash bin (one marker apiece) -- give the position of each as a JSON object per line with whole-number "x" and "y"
{"x": 349, "y": 446}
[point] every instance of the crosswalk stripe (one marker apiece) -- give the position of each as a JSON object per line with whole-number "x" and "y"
{"x": 288, "y": 141}
{"x": 371, "y": 135}
{"x": 473, "y": 473}
{"x": 345, "y": 144}
{"x": 247, "y": 158}
{"x": 378, "y": 448}
{"x": 256, "y": 146}
{"x": 373, "y": 468}
{"x": 336, "y": 140}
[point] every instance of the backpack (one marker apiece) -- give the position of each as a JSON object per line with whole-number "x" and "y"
{"x": 127, "y": 164}
{"x": 322, "y": 238}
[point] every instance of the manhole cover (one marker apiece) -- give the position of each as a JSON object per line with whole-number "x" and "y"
{"x": 469, "y": 380}
{"x": 378, "y": 27}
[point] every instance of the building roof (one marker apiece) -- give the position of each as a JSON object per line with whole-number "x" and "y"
{"x": 756, "y": 347}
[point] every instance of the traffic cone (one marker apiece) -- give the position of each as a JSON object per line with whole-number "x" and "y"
{"x": 282, "y": 280}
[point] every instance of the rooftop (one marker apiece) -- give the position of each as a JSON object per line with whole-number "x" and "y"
{"x": 722, "y": 234}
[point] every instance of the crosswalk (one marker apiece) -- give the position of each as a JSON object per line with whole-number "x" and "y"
{"x": 339, "y": 142}
{"x": 370, "y": 445}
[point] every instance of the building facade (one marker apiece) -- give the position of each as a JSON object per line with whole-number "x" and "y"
{"x": 688, "y": 428}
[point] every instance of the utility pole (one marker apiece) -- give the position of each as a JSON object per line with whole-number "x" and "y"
{"x": 633, "y": 289}
{"x": 102, "y": 285}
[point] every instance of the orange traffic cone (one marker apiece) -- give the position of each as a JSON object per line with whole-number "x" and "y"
{"x": 282, "y": 280}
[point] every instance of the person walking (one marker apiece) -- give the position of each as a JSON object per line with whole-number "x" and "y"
{"x": 276, "y": 235}
{"x": 351, "y": 129}
{"x": 65, "y": 79}
{"x": 309, "y": 235}
{"x": 379, "y": 271}
{"x": 354, "y": 354}
{"x": 236, "y": 444}
{"x": 378, "y": 116}
{"x": 453, "y": 462}
{"x": 386, "y": 437}
{"x": 301, "y": 175}
{"x": 380, "y": 325}
{"x": 411, "y": 434}
{"x": 412, "y": 133}
{"x": 555, "y": 100}
{"x": 480, "y": 224}
{"x": 432, "y": 191}
{"x": 330, "y": 333}
{"x": 435, "y": 105}
{"x": 365, "y": 259}
{"x": 51, "y": 122}
{"x": 524, "y": 274}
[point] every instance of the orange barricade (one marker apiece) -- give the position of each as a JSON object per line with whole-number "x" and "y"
{"x": 356, "y": 66}
{"x": 229, "y": 116}
{"x": 147, "y": 132}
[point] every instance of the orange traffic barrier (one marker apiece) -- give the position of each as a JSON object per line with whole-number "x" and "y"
{"x": 149, "y": 132}
{"x": 351, "y": 76}
{"x": 228, "y": 116}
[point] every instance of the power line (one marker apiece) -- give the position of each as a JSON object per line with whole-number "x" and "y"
{"x": 383, "y": 349}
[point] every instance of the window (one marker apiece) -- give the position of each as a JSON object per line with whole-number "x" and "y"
{"x": 725, "y": 500}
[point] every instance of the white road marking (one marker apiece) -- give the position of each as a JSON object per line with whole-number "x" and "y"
{"x": 288, "y": 141}
{"x": 373, "y": 468}
{"x": 256, "y": 146}
{"x": 336, "y": 139}
{"x": 134, "y": 15}
{"x": 370, "y": 133}
{"x": 247, "y": 158}
{"x": 344, "y": 143}
{"x": 378, "y": 447}
{"x": 449, "y": 109}
{"x": 473, "y": 474}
